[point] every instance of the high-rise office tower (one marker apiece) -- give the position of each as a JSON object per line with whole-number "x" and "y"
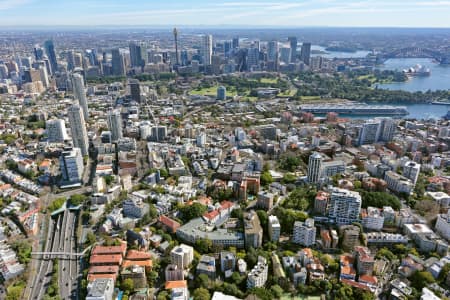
{"x": 51, "y": 54}
{"x": 345, "y": 206}
{"x": 293, "y": 45}
{"x": 78, "y": 128}
{"x": 80, "y": 93}
{"x": 314, "y": 167}
{"x": 305, "y": 53}
{"x": 227, "y": 48}
{"x": 206, "y": 49}
{"x": 70, "y": 57}
{"x": 56, "y": 131}
{"x": 175, "y": 36}
{"x": 38, "y": 52}
{"x": 137, "y": 54}
{"x": 135, "y": 90}
{"x": 272, "y": 51}
{"x": 235, "y": 42}
{"x": 115, "y": 124}
{"x": 118, "y": 63}
{"x": 71, "y": 165}
{"x": 252, "y": 57}
{"x": 285, "y": 55}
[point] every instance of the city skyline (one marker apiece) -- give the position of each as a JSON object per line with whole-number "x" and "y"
{"x": 333, "y": 13}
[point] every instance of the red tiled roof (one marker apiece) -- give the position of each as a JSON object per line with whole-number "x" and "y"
{"x": 368, "y": 279}
{"x": 226, "y": 204}
{"x": 211, "y": 215}
{"x": 92, "y": 277}
{"x": 172, "y": 224}
{"x": 103, "y": 269}
{"x": 141, "y": 263}
{"x": 113, "y": 259}
{"x": 356, "y": 284}
{"x": 110, "y": 249}
{"x": 138, "y": 255}
{"x": 176, "y": 284}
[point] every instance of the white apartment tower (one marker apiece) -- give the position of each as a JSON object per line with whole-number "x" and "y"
{"x": 56, "y": 131}
{"x": 304, "y": 233}
{"x": 345, "y": 206}
{"x": 314, "y": 167}
{"x": 114, "y": 120}
{"x": 80, "y": 94}
{"x": 78, "y": 128}
{"x": 182, "y": 256}
{"x": 206, "y": 49}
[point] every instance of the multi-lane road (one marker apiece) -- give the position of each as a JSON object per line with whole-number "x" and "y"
{"x": 61, "y": 238}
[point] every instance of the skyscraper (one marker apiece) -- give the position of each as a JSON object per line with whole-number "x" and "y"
{"x": 206, "y": 49}
{"x": 305, "y": 53}
{"x": 314, "y": 167}
{"x": 252, "y": 57}
{"x": 345, "y": 206}
{"x": 135, "y": 90}
{"x": 78, "y": 128}
{"x": 80, "y": 93}
{"x": 118, "y": 63}
{"x": 272, "y": 51}
{"x": 51, "y": 54}
{"x": 235, "y": 42}
{"x": 115, "y": 124}
{"x": 175, "y": 36}
{"x": 137, "y": 54}
{"x": 387, "y": 129}
{"x": 285, "y": 55}
{"x": 293, "y": 45}
{"x": 38, "y": 53}
{"x": 369, "y": 133}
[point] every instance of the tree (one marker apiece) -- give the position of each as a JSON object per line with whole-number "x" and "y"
{"x": 444, "y": 272}
{"x": 263, "y": 218}
{"x": 379, "y": 199}
{"x": 203, "y": 245}
{"x": 91, "y": 238}
{"x": 266, "y": 178}
{"x": 276, "y": 290}
{"x": 77, "y": 199}
{"x": 189, "y": 212}
{"x": 57, "y": 204}
{"x": 289, "y": 178}
{"x": 128, "y": 285}
{"x": 23, "y": 249}
{"x": 421, "y": 279}
{"x": 384, "y": 252}
{"x": 163, "y": 295}
{"x": 201, "y": 294}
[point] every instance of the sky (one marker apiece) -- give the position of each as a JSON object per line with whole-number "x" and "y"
{"x": 291, "y": 13}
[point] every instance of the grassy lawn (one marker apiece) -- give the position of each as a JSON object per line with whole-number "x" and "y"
{"x": 212, "y": 91}
{"x": 269, "y": 80}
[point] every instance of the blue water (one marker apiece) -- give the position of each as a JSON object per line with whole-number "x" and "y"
{"x": 438, "y": 80}
{"x": 335, "y": 54}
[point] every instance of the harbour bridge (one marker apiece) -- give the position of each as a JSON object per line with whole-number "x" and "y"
{"x": 415, "y": 52}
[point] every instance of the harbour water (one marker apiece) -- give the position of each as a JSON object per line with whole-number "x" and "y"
{"x": 438, "y": 80}
{"x": 338, "y": 54}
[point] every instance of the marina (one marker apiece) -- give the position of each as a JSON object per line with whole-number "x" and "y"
{"x": 356, "y": 109}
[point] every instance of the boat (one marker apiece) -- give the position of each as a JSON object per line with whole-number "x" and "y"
{"x": 417, "y": 71}
{"x": 440, "y": 103}
{"x": 355, "y": 109}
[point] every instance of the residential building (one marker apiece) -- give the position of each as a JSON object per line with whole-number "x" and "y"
{"x": 345, "y": 206}
{"x": 78, "y": 129}
{"x": 411, "y": 171}
{"x": 252, "y": 230}
{"x": 265, "y": 200}
{"x": 274, "y": 229}
{"x": 71, "y": 165}
{"x": 314, "y": 167}
{"x": 365, "y": 261}
{"x": 304, "y": 233}
{"x": 114, "y": 120}
{"x": 398, "y": 183}
{"x": 100, "y": 289}
{"x": 227, "y": 262}
{"x": 207, "y": 266}
{"x": 372, "y": 218}
{"x": 173, "y": 273}
{"x": 258, "y": 275}
{"x": 321, "y": 203}
{"x": 182, "y": 255}
{"x": 134, "y": 207}
{"x": 56, "y": 131}
{"x": 206, "y": 49}
{"x": 80, "y": 93}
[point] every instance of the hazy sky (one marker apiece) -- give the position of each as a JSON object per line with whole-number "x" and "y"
{"x": 381, "y": 13}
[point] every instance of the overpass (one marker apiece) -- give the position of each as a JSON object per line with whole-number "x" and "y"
{"x": 415, "y": 52}
{"x": 61, "y": 254}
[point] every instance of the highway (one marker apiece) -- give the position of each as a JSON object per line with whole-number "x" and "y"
{"x": 61, "y": 237}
